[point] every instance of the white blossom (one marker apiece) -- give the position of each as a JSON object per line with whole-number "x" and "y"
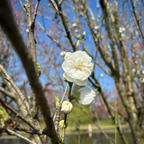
{"x": 87, "y": 95}
{"x": 84, "y": 33}
{"x": 74, "y": 25}
{"x": 133, "y": 70}
{"x": 142, "y": 72}
{"x": 121, "y": 29}
{"x": 66, "y": 107}
{"x": 137, "y": 33}
{"x": 122, "y": 35}
{"x": 62, "y": 54}
{"x": 27, "y": 30}
{"x": 101, "y": 75}
{"x": 77, "y": 67}
{"x": 96, "y": 27}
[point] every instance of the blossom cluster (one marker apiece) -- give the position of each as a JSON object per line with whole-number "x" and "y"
{"x": 77, "y": 68}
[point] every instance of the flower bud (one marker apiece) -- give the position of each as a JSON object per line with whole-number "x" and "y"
{"x": 66, "y": 107}
{"x": 65, "y": 54}
{"x": 96, "y": 27}
{"x": 101, "y": 75}
{"x": 74, "y": 25}
{"x": 62, "y": 54}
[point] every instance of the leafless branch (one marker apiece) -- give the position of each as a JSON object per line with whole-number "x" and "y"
{"x": 19, "y": 135}
{"x": 29, "y": 65}
{"x": 7, "y": 93}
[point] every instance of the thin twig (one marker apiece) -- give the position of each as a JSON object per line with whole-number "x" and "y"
{"x": 31, "y": 28}
{"x": 63, "y": 19}
{"x": 54, "y": 40}
{"x": 20, "y": 136}
{"x": 137, "y": 21}
{"x": 97, "y": 86}
{"x": 64, "y": 93}
{"x": 35, "y": 13}
{"x": 53, "y": 4}
{"x": 7, "y": 93}
{"x": 22, "y": 5}
{"x": 19, "y": 97}
{"x": 16, "y": 113}
{"x": 62, "y": 99}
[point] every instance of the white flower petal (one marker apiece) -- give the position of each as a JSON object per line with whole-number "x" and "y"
{"x": 81, "y": 83}
{"x": 77, "y": 67}
{"x": 67, "y": 54}
{"x": 67, "y": 77}
{"x": 78, "y": 82}
{"x": 87, "y": 95}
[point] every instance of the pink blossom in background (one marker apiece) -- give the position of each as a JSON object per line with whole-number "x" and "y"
{"x": 90, "y": 130}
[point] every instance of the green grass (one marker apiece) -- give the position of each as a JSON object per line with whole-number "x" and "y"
{"x": 105, "y": 122}
{"x": 106, "y": 125}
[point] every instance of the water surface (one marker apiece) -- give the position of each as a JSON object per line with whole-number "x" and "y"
{"x": 83, "y": 138}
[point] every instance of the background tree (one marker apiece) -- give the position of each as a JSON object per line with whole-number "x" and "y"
{"x": 111, "y": 32}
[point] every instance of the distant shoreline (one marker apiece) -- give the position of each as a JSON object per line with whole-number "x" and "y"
{"x": 106, "y": 128}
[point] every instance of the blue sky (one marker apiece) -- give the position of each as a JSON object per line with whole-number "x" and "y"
{"x": 106, "y": 82}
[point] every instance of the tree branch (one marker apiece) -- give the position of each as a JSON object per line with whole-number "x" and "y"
{"x": 26, "y": 57}
{"x": 60, "y": 12}
{"x": 19, "y": 135}
{"x": 7, "y": 93}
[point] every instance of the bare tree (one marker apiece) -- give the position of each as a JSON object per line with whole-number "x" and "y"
{"x": 115, "y": 31}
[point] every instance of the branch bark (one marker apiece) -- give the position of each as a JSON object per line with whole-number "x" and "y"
{"x": 10, "y": 29}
